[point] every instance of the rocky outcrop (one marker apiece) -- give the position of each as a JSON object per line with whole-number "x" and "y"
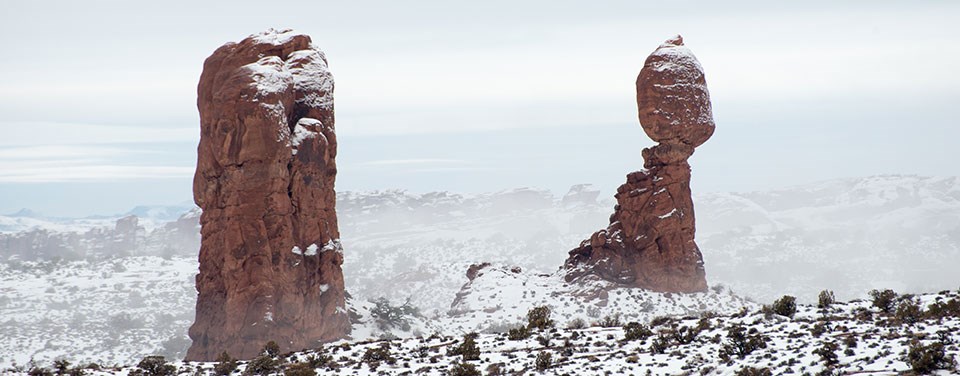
{"x": 650, "y": 240}
{"x": 270, "y": 253}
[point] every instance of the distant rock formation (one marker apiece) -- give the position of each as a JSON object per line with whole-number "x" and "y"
{"x": 270, "y": 254}
{"x": 650, "y": 240}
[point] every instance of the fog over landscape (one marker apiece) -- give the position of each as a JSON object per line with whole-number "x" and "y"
{"x": 477, "y": 145}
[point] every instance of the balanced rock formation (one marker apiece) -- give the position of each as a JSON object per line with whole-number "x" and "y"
{"x": 270, "y": 252}
{"x": 650, "y": 240}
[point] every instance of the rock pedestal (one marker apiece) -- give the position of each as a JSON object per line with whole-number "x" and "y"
{"x": 270, "y": 252}
{"x": 650, "y": 240}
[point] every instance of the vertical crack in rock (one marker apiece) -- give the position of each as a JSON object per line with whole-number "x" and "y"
{"x": 270, "y": 252}
{"x": 650, "y": 240}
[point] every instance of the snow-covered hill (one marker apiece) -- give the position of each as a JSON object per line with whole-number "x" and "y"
{"x": 851, "y": 235}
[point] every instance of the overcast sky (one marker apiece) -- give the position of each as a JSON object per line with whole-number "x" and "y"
{"x": 98, "y": 113}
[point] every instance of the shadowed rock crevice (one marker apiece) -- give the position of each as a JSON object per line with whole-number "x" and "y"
{"x": 650, "y": 240}
{"x": 270, "y": 253}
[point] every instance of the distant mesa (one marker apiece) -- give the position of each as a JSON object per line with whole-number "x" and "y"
{"x": 650, "y": 240}
{"x": 270, "y": 253}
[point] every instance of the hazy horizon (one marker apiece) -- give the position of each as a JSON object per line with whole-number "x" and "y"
{"x": 98, "y": 114}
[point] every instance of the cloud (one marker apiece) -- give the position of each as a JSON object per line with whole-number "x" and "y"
{"x": 421, "y": 161}
{"x": 65, "y": 152}
{"x": 30, "y": 133}
{"x": 56, "y": 171}
{"x": 81, "y": 163}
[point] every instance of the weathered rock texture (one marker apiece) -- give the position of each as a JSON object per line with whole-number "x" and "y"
{"x": 650, "y": 240}
{"x": 270, "y": 253}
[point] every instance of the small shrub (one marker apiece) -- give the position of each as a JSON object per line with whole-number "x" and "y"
{"x": 863, "y": 314}
{"x": 610, "y": 321}
{"x": 299, "y": 369}
{"x": 785, "y": 306}
{"x": 740, "y": 343}
{"x": 908, "y": 312}
{"x": 61, "y": 366}
{"x": 463, "y": 369}
{"x": 517, "y": 334}
{"x": 378, "y": 354}
{"x": 660, "y": 320}
{"x": 539, "y": 318}
{"x": 319, "y": 360}
{"x": 271, "y": 349}
{"x": 850, "y": 341}
{"x": 495, "y": 369}
{"x": 634, "y": 331}
{"x": 924, "y": 359}
{"x": 883, "y": 299}
{"x": 467, "y": 349}
{"x": 704, "y": 324}
{"x": 225, "y": 365}
{"x": 543, "y": 341}
{"x": 544, "y": 361}
{"x": 828, "y": 354}
{"x": 660, "y": 344}
{"x": 262, "y": 365}
{"x": 156, "y": 366}
{"x": 819, "y": 328}
{"x": 941, "y": 309}
{"x": 826, "y": 299}
{"x": 577, "y": 323}
{"x": 387, "y": 316}
{"x": 750, "y": 371}
{"x": 684, "y": 334}
{"x": 40, "y": 371}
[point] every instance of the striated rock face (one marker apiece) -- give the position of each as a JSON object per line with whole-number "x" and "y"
{"x": 650, "y": 240}
{"x": 270, "y": 253}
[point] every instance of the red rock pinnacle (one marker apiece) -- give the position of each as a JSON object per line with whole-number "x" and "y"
{"x": 270, "y": 254}
{"x": 650, "y": 240}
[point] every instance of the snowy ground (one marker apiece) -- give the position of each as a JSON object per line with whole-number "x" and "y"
{"x": 875, "y": 345}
